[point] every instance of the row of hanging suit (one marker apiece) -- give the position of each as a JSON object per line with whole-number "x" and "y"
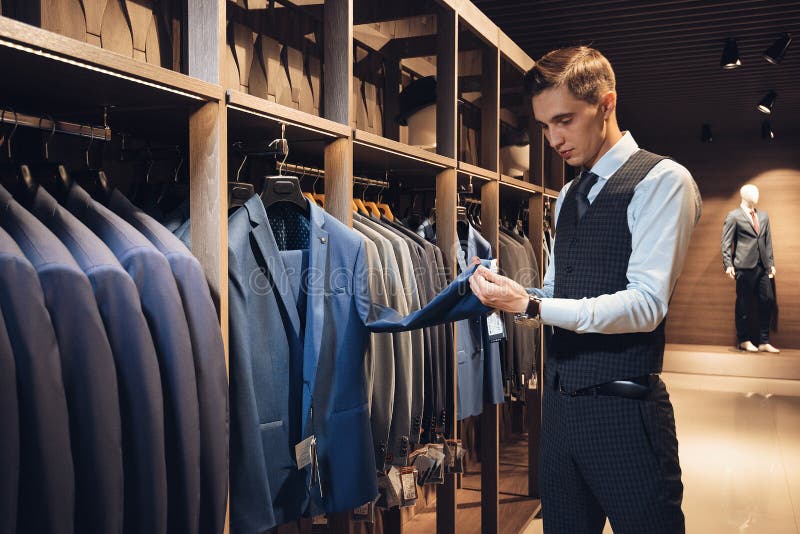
{"x": 518, "y": 262}
{"x": 114, "y": 389}
{"x": 338, "y": 334}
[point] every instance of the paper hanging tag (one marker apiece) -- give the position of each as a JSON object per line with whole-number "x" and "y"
{"x": 303, "y": 452}
{"x": 495, "y": 327}
{"x": 408, "y": 480}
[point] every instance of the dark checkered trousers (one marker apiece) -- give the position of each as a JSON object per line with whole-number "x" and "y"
{"x": 605, "y": 456}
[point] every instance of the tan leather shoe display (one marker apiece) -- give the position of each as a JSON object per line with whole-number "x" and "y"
{"x": 766, "y": 347}
{"x": 748, "y": 346}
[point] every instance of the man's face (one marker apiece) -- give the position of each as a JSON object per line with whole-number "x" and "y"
{"x": 575, "y": 128}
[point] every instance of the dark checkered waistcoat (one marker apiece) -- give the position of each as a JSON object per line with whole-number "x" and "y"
{"x": 591, "y": 259}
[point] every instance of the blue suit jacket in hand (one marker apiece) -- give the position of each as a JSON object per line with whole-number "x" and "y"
{"x": 300, "y": 321}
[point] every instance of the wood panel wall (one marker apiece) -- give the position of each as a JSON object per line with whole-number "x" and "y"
{"x": 702, "y": 307}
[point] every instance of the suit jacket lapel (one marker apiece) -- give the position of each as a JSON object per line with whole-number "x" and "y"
{"x": 265, "y": 239}
{"x": 746, "y": 216}
{"x": 315, "y": 310}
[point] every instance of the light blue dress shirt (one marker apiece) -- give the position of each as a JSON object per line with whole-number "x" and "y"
{"x": 662, "y": 214}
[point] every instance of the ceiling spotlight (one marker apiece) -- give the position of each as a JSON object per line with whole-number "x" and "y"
{"x": 766, "y": 131}
{"x": 730, "y": 55}
{"x": 706, "y": 136}
{"x": 774, "y": 54}
{"x": 765, "y": 106}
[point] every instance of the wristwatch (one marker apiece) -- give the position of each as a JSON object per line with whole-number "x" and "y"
{"x": 532, "y": 316}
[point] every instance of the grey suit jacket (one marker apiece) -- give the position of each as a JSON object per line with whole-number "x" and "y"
{"x": 413, "y": 291}
{"x": 379, "y": 363}
{"x": 741, "y": 246}
{"x": 163, "y": 309}
{"x": 209, "y": 360}
{"x": 87, "y": 365}
{"x": 403, "y": 345}
{"x": 141, "y": 398}
{"x": 46, "y": 495}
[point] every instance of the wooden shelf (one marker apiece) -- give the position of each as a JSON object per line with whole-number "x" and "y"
{"x": 522, "y": 185}
{"x": 375, "y": 154}
{"x": 271, "y": 111}
{"x": 551, "y": 192}
{"x": 512, "y": 52}
{"x": 479, "y": 172}
{"x": 22, "y": 44}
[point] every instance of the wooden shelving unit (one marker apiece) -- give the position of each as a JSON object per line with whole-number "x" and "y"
{"x": 202, "y": 108}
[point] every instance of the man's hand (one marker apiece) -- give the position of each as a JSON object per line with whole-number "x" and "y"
{"x": 730, "y": 271}
{"x": 499, "y": 292}
{"x": 772, "y": 272}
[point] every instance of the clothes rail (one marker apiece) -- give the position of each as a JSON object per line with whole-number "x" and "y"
{"x": 9, "y": 116}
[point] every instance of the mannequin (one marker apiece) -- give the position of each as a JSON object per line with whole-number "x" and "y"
{"x": 747, "y": 258}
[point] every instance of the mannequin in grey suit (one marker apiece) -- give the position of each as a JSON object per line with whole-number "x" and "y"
{"x": 747, "y": 257}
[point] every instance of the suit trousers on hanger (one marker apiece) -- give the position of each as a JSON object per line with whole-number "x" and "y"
{"x": 750, "y": 282}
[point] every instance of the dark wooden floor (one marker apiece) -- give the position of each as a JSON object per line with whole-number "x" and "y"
{"x": 516, "y": 508}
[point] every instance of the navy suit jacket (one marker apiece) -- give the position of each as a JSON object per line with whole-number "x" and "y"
{"x": 88, "y": 370}
{"x": 209, "y": 360}
{"x": 140, "y": 398}
{"x": 272, "y": 346}
{"x": 46, "y": 482}
{"x": 9, "y": 409}
{"x": 162, "y": 307}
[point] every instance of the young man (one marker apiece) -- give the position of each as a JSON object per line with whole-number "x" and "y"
{"x": 623, "y": 227}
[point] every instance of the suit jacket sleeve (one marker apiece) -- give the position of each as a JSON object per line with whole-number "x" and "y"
{"x": 455, "y": 303}
{"x": 768, "y": 239}
{"x": 728, "y": 233}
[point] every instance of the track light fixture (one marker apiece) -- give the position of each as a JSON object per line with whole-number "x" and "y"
{"x": 766, "y": 131}
{"x": 730, "y": 55}
{"x": 765, "y": 106}
{"x": 706, "y": 136}
{"x": 774, "y": 54}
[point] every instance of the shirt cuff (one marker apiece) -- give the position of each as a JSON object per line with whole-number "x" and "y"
{"x": 562, "y": 313}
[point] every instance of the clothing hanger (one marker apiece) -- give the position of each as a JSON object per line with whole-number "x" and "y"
{"x": 51, "y": 175}
{"x": 371, "y": 206}
{"x": 239, "y": 192}
{"x": 95, "y": 181}
{"x": 309, "y": 196}
{"x": 16, "y": 178}
{"x": 282, "y": 188}
{"x": 385, "y": 209}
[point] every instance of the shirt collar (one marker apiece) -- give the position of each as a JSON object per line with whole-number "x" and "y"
{"x": 612, "y": 160}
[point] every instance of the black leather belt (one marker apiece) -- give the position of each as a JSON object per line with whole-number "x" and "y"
{"x": 632, "y": 388}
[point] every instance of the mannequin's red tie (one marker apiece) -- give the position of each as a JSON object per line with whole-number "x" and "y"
{"x": 755, "y": 220}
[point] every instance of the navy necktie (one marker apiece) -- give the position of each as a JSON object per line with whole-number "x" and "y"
{"x": 585, "y": 183}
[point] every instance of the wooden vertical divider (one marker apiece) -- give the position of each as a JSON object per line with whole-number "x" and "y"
{"x": 533, "y": 397}
{"x": 447, "y": 237}
{"x": 337, "y": 97}
{"x": 490, "y": 418}
{"x": 490, "y": 219}
{"x": 204, "y": 43}
{"x": 446, "y": 201}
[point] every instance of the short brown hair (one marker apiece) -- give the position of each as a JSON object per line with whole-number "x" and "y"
{"x": 583, "y": 70}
